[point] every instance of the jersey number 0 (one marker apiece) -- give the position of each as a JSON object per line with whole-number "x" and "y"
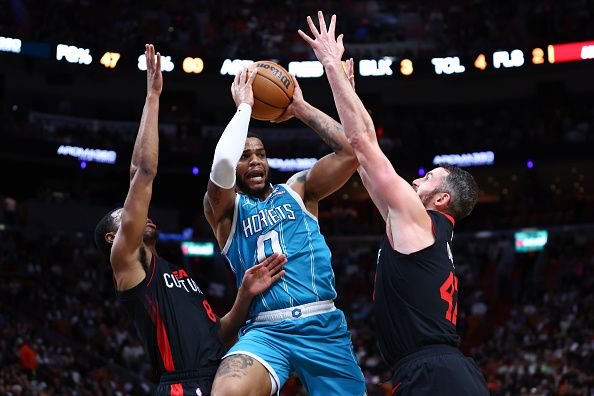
{"x": 268, "y": 244}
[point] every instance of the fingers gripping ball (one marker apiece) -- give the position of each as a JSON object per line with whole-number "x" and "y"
{"x": 273, "y": 90}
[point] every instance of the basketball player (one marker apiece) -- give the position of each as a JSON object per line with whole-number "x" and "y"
{"x": 293, "y": 326}
{"x": 183, "y": 337}
{"x": 416, "y": 290}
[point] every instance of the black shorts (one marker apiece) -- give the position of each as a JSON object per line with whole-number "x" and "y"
{"x": 438, "y": 370}
{"x": 186, "y": 383}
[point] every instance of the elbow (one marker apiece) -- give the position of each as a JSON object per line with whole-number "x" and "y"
{"x": 358, "y": 141}
{"x": 223, "y": 173}
{"x": 226, "y": 339}
{"x": 144, "y": 170}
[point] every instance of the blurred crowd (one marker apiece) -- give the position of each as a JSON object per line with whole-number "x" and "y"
{"x": 525, "y": 317}
{"x": 248, "y": 28}
{"x": 557, "y": 137}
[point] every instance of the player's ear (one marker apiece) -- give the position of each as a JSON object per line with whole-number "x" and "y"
{"x": 109, "y": 237}
{"x": 442, "y": 200}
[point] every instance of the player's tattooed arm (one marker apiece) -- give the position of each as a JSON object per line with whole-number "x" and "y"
{"x": 331, "y": 132}
{"x": 330, "y": 172}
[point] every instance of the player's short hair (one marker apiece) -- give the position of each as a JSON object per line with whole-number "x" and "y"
{"x": 104, "y": 226}
{"x": 254, "y": 135}
{"x": 463, "y": 191}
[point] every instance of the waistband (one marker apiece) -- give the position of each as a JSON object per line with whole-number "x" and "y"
{"x": 176, "y": 377}
{"x": 294, "y": 313}
{"x": 427, "y": 351}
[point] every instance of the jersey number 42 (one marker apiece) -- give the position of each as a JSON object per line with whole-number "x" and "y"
{"x": 448, "y": 290}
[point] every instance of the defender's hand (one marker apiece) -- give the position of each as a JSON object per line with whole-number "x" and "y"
{"x": 154, "y": 77}
{"x": 241, "y": 89}
{"x": 295, "y": 107}
{"x": 261, "y": 276}
{"x": 327, "y": 48}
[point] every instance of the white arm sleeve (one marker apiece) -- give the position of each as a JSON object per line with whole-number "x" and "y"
{"x": 230, "y": 147}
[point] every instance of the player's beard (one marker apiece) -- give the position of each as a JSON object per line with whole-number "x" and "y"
{"x": 150, "y": 236}
{"x": 254, "y": 192}
{"x": 427, "y": 197}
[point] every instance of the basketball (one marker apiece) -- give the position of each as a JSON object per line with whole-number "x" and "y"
{"x": 273, "y": 90}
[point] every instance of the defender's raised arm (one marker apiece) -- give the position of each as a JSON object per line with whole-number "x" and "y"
{"x": 127, "y": 269}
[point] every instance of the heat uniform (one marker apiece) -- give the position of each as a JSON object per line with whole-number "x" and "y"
{"x": 178, "y": 329}
{"x": 416, "y": 306}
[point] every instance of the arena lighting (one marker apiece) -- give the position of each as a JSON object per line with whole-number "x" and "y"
{"x": 8, "y": 44}
{"x": 74, "y": 54}
{"x": 193, "y": 65}
{"x": 466, "y": 159}
{"x": 232, "y": 66}
{"x": 306, "y": 69}
{"x": 507, "y": 59}
{"x": 166, "y": 63}
{"x": 421, "y": 172}
{"x": 195, "y": 170}
{"x": 110, "y": 59}
{"x": 88, "y": 154}
{"x": 530, "y": 164}
{"x": 197, "y": 249}
{"x": 570, "y": 52}
{"x": 186, "y": 234}
{"x": 291, "y": 164}
{"x": 530, "y": 240}
{"x": 449, "y": 65}
{"x": 372, "y": 67}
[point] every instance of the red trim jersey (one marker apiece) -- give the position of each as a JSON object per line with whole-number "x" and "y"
{"x": 173, "y": 319}
{"x": 416, "y": 294}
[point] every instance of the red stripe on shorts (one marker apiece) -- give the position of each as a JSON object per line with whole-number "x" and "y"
{"x": 177, "y": 390}
{"x": 396, "y": 387}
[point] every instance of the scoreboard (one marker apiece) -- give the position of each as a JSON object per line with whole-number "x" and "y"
{"x": 387, "y": 66}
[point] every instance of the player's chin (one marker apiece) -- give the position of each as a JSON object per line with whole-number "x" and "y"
{"x": 150, "y": 235}
{"x": 257, "y": 186}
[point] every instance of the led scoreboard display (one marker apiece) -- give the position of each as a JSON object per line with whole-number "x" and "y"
{"x": 383, "y": 66}
{"x": 570, "y": 52}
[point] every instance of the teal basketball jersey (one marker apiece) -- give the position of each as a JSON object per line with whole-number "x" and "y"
{"x": 281, "y": 224}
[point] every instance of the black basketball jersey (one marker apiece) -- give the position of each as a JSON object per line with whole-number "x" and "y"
{"x": 416, "y": 295}
{"x": 175, "y": 322}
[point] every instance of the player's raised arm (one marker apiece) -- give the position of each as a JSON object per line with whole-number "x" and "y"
{"x": 127, "y": 269}
{"x": 330, "y": 172}
{"x": 402, "y": 204}
{"x": 220, "y": 193}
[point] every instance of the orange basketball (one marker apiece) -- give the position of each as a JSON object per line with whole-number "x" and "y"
{"x": 273, "y": 90}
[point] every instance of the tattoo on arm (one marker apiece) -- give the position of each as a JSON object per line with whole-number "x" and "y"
{"x": 327, "y": 131}
{"x": 298, "y": 177}
{"x": 235, "y": 366}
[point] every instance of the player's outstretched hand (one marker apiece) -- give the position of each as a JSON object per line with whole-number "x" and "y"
{"x": 296, "y": 105}
{"x": 327, "y": 48}
{"x": 261, "y": 276}
{"x": 241, "y": 89}
{"x": 154, "y": 77}
{"x": 350, "y": 71}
